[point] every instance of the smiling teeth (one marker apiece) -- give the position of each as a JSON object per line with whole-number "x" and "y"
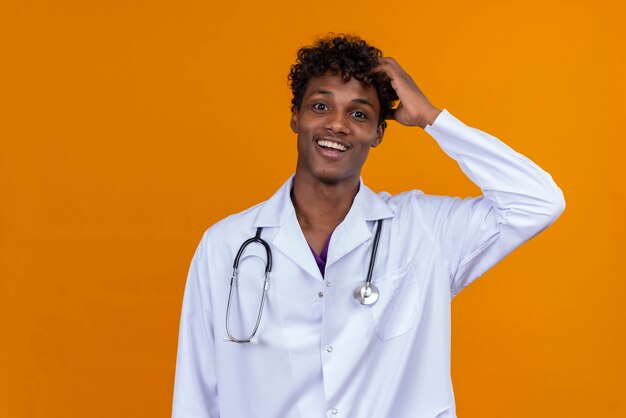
{"x": 333, "y": 145}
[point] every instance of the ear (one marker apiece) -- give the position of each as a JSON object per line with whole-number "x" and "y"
{"x": 380, "y": 132}
{"x": 294, "y": 121}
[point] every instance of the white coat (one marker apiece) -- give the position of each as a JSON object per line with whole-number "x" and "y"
{"x": 320, "y": 353}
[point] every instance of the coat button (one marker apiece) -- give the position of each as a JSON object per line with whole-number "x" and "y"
{"x": 320, "y": 294}
{"x": 329, "y": 348}
{"x": 334, "y": 411}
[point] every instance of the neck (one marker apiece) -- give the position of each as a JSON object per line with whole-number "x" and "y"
{"x": 321, "y": 207}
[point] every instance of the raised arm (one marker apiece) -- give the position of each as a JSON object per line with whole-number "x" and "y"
{"x": 519, "y": 199}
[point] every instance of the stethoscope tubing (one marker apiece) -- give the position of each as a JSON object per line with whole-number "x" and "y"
{"x": 370, "y": 270}
{"x": 368, "y": 290}
{"x": 233, "y": 283}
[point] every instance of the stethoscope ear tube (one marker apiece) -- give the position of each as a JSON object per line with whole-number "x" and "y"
{"x": 233, "y": 283}
{"x": 256, "y": 238}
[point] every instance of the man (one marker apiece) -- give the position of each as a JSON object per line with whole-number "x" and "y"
{"x": 328, "y": 343}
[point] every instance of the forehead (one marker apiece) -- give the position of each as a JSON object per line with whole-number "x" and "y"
{"x": 333, "y": 86}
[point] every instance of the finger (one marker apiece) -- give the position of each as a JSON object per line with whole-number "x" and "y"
{"x": 388, "y": 60}
{"x": 390, "y": 66}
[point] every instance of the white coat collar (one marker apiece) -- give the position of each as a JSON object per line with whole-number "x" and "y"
{"x": 354, "y": 230}
{"x": 367, "y": 206}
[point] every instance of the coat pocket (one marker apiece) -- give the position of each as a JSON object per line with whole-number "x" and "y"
{"x": 397, "y": 308}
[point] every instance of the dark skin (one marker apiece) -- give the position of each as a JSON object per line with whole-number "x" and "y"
{"x": 337, "y": 125}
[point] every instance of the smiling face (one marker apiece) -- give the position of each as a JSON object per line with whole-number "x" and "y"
{"x": 337, "y": 125}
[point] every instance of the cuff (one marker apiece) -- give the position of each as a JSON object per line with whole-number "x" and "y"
{"x": 444, "y": 120}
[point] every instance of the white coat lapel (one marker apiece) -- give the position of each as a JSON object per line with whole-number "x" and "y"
{"x": 278, "y": 212}
{"x": 291, "y": 241}
{"x": 349, "y": 234}
{"x": 355, "y": 230}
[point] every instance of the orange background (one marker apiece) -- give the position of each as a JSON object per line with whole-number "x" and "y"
{"x": 129, "y": 127}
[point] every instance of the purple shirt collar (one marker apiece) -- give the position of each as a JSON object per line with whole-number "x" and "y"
{"x": 321, "y": 259}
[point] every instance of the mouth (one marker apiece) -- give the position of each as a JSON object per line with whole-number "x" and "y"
{"x": 331, "y": 144}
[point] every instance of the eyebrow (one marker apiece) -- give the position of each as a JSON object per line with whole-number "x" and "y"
{"x": 357, "y": 100}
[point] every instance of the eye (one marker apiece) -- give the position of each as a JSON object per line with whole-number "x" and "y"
{"x": 320, "y": 106}
{"x": 359, "y": 115}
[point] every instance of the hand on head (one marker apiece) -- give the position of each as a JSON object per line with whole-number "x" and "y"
{"x": 414, "y": 109}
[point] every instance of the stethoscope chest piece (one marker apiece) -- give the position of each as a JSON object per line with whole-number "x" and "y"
{"x": 366, "y": 293}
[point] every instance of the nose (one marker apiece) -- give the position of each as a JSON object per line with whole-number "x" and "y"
{"x": 337, "y": 123}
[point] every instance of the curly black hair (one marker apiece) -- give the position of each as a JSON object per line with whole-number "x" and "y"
{"x": 343, "y": 54}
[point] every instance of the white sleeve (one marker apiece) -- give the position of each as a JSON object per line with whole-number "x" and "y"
{"x": 519, "y": 200}
{"x": 195, "y": 386}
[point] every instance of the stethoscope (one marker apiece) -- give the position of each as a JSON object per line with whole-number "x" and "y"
{"x": 365, "y": 293}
